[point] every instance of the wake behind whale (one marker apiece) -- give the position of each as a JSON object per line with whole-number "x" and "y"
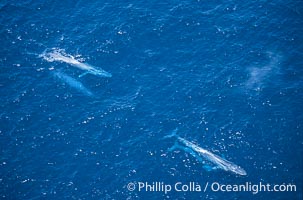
{"x": 60, "y": 56}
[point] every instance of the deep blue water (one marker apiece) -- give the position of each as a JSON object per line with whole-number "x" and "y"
{"x": 227, "y": 74}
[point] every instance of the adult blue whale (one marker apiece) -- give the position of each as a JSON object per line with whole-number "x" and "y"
{"x": 72, "y": 83}
{"x": 201, "y": 153}
{"x": 61, "y": 56}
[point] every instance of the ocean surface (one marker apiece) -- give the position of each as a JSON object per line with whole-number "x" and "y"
{"x": 227, "y": 74}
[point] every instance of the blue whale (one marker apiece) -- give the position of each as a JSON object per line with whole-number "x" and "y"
{"x": 201, "y": 154}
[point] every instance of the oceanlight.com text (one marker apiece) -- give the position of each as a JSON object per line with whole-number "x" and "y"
{"x": 254, "y": 188}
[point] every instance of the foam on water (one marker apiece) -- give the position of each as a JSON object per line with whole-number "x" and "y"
{"x": 259, "y": 75}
